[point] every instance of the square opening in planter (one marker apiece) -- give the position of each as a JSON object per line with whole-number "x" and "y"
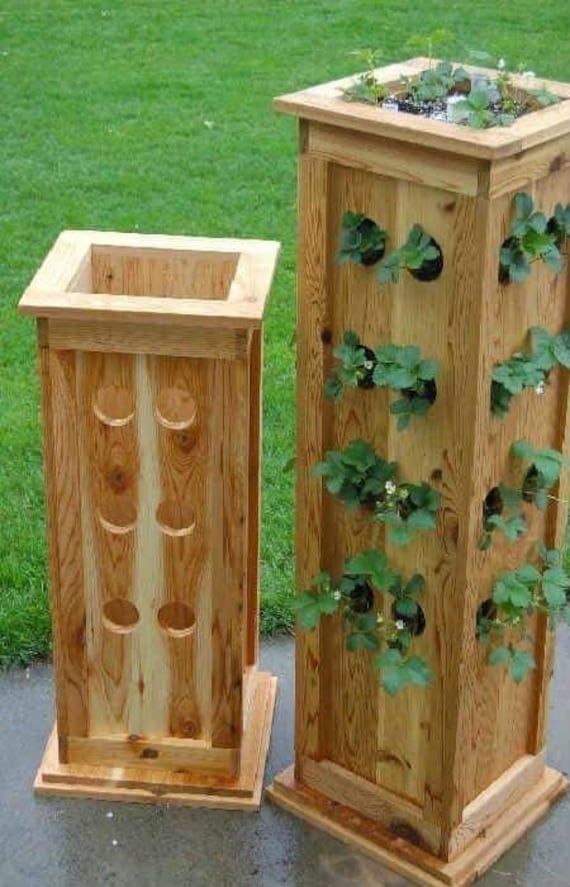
{"x": 197, "y": 281}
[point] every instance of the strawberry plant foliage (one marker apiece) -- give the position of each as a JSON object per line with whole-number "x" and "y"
{"x": 361, "y": 240}
{"x": 399, "y": 367}
{"x": 530, "y": 369}
{"x": 516, "y": 597}
{"x": 366, "y": 577}
{"x": 420, "y": 255}
{"x": 531, "y": 238}
{"x": 360, "y": 478}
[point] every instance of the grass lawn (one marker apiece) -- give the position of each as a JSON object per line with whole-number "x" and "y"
{"x": 157, "y": 117}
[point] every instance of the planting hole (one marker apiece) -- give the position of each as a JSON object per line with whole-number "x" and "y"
{"x": 175, "y": 409}
{"x": 114, "y": 405}
{"x": 176, "y": 619}
{"x": 416, "y": 624}
{"x": 431, "y": 268}
{"x": 175, "y": 518}
{"x": 530, "y": 485}
{"x": 492, "y": 504}
{"x": 369, "y": 230}
{"x": 486, "y": 613}
{"x": 361, "y": 598}
{"x": 120, "y": 615}
{"x": 117, "y": 514}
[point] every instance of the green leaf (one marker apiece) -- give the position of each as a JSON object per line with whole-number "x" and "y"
{"x": 421, "y": 520}
{"x": 521, "y": 663}
{"x": 522, "y": 449}
{"x": 400, "y": 535}
{"x": 428, "y": 369}
{"x": 523, "y": 205}
{"x": 499, "y": 656}
{"x": 406, "y": 607}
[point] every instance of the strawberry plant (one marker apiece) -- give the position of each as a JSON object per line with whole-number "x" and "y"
{"x": 517, "y": 596}
{"x": 356, "y": 475}
{"x": 365, "y": 576}
{"x": 528, "y": 370}
{"x": 529, "y": 241}
{"x": 355, "y": 367}
{"x": 361, "y": 240}
{"x": 420, "y": 255}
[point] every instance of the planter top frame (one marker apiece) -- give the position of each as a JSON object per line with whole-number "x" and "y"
{"x": 153, "y": 278}
{"x": 325, "y": 104}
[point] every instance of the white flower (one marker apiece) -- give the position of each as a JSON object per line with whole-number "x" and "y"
{"x": 518, "y": 354}
{"x": 337, "y": 595}
{"x": 379, "y": 619}
{"x": 400, "y": 625}
{"x": 528, "y": 74}
{"x": 404, "y": 493}
{"x": 501, "y": 64}
{"x": 539, "y": 389}
{"x": 390, "y": 487}
{"x": 368, "y": 364}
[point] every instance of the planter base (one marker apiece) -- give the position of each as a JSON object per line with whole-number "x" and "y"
{"x": 400, "y": 856}
{"x": 149, "y": 786}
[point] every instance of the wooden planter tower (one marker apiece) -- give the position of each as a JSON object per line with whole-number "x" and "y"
{"x": 435, "y": 782}
{"x": 150, "y": 350}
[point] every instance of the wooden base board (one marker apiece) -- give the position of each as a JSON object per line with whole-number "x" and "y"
{"x": 171, "y": 787}
{"x": 399, "y": 855}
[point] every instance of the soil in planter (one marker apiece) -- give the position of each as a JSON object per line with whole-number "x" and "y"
{"x": 552, "y": 227}
{"x": 432, "y": 268}
{"x": 436, "y": 109}
{"x": 361, "y": 598}
{"x": 415, "y": 624}
{"x": 370, "y": 256}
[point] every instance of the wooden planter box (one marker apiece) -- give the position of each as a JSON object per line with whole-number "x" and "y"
{"x": 434, "y": 782}
{"x": 150, "y": 350}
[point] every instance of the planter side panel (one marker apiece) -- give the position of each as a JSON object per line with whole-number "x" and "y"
{"x": 501, "y": 721}
{"x": 398, "y": 743}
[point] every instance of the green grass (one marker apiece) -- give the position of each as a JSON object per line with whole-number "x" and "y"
{"x": 104, "y": 109}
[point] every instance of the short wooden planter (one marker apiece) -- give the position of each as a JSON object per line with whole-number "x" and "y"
{"x": 150, "y": 350}
{"x": 435, "y": 782}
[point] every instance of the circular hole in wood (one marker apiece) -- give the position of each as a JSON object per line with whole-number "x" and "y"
{"x": 175, "y": 518}
{"x": 114, "y": 405}
{"x": 176, "y": 619}
{"x": 175, "y": 408}
{"x": 117, "y": 514}
{"x": 120, "y": 615}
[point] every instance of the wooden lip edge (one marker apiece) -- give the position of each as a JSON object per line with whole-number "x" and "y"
{"x": 492, "y": 144}
{"x": 553, "y": 785}
{"x": 249, "y": 802}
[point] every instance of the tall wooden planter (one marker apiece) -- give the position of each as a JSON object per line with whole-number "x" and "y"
{"x": 150, "y": 350}
{"x": 435, "y": 782}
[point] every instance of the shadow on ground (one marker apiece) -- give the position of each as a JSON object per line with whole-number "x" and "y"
{"x": 68, "y": 843}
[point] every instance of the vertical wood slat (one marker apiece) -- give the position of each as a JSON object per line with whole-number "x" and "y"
{"x": 311, "y": 325}
{"x": 61, "y": 465}
{"x": 254, "y": 497}
{"x": 108, "y": 479}
{"x": 228, "y": 479}
{"x": 183, "y": 454}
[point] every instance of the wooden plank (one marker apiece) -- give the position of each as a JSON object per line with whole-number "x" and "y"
{"x": 61, "y": 464}
{"x": 108, "y": 471}
{"x": 518, "y": 173}
{"x": 183, "y": 461}
{"x": 504, "y": 792}
{"x": 133, "y": 338}
{"x": 371, "y": 800}
{"x": 254, "y": 497}
{"x": 420, "y": 867}
{"x": 153, "y": 754}
{"x": 170, "y": 280}
{"x": 312, "y": 324}
{"x": 324, "y": 104}
{"x": 180, "y": 786}
{"x": 385, "y": 157}
{"x": 228, "y": 467}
